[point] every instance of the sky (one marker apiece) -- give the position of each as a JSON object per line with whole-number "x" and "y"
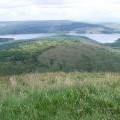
{"x": 76, "y": 10}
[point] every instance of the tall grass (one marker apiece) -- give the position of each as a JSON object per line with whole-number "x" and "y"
{"x": 60, "y": 96}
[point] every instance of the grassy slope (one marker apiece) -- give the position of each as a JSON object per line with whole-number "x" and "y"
{"x": 60, "y": 96}
{"x": 58, "y": 54}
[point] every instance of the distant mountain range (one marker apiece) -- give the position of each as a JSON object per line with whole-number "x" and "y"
{"x": 54, "y": 26}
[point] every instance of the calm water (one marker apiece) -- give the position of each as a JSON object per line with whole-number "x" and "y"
{"x": 102, "y": 38}
{"x": 27, "y": 36}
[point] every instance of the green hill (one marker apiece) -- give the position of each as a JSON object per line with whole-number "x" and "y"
{"x": 57, "y": 54}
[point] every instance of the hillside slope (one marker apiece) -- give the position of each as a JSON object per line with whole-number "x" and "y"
{"x": 81, "y": 56}
{"x": 58, "y": 54}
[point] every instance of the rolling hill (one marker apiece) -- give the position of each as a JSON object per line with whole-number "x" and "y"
{"x": 52, "y": 26}
{"x": 58, "y": 54}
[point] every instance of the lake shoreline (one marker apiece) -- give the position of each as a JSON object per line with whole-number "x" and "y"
{"x": 102, "y": 38}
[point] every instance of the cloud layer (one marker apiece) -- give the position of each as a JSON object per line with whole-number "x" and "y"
{"x": 79, "y": 10}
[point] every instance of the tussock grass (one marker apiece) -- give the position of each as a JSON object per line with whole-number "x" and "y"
{"x": 60, "y": 96}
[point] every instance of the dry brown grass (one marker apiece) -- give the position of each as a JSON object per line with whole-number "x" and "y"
{"x": 58, "y": 80}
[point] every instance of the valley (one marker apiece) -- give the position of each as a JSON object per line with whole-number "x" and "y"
{"x": 59, "y": 59}
{"x": 59, "y": 76}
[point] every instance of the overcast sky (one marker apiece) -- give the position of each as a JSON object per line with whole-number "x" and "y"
{"x": 78, "y": 10}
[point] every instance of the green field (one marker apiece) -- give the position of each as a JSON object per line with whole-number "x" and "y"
{"x": 60, "y": 96}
